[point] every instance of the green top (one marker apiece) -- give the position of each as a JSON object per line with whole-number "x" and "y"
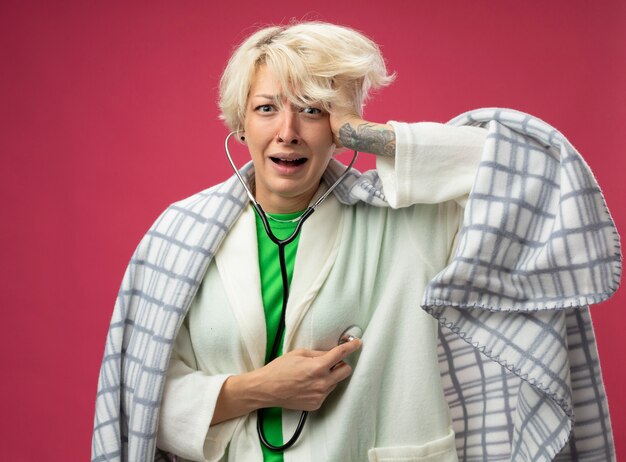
{"x": 272, "y": 294}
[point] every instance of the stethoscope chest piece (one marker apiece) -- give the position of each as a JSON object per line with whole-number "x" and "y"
{"x": 350, "y": 334}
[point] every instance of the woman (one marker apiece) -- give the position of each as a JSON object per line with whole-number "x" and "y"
{"x": 295, "y": 96}
{"x": 208, "y": 276}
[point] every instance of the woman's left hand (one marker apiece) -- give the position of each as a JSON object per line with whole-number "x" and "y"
{"x": 339, "y": 117}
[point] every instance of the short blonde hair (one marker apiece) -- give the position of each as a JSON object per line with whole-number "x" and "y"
{"x": 311, "y": 61}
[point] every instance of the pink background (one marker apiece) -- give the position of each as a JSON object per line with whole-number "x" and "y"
{"x": 108, "y": 115}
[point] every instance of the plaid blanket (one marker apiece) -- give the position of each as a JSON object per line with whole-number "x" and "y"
{"x": 517, "y": 351}
{"x": 537, "y": 246}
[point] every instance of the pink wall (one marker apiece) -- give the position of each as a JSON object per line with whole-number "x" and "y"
{"x": 108, "y": 114}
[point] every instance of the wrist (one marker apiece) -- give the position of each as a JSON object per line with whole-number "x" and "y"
{"x": 251, "y": 387}
{"x": 347, "y": 133}
{"x": 239, "y": 393}
{"x": 360, "y": 135}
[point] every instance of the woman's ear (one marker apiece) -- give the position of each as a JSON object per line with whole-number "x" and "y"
{"x": 337, "y": 150}
{"x": 242, "y": 138}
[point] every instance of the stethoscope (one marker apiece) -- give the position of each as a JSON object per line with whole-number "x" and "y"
{"x": 349, "y": 334}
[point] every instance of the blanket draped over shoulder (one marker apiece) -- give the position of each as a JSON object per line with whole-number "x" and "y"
{"x": 517, "y": 350}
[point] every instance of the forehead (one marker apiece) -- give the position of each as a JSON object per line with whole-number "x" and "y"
{"x": 264, "y": 83}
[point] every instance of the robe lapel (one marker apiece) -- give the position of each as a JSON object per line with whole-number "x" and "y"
{"x": 238, "y": 265}
{"x": 317, "y": 251}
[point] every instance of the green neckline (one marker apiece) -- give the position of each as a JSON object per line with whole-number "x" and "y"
{"x": 283, "y": 216}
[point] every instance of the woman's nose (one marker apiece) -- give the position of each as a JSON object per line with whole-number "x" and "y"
{"x": 288, "y": 130}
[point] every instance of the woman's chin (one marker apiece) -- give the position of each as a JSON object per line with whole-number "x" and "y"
{"x": 285, "y": 197}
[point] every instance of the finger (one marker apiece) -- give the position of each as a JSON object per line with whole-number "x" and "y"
{"x": 338, "y": 353}
{"x": 336, "y": 365}
{"x": 340, "y": 371}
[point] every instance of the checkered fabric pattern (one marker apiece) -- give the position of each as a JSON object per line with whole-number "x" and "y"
{"x": 518, "y": 360}
{"x": 161, "y": 280}
{"x": 538, "y": 242}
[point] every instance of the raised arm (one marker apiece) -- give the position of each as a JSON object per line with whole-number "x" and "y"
{"x": 423, "y": 162}
{"x": 352, "y": 132}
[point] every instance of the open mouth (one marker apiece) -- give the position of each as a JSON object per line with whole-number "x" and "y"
{"x": 289, "y": 162}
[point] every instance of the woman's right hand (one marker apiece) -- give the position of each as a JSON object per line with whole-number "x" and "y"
{"x": 300, "y": 380}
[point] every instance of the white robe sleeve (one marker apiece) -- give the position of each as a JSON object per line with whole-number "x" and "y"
{"x": 189, "y": 400}
{"x": 433, "y": 163}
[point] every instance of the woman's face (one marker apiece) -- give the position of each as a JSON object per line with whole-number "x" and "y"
{"x": 290, "y": 146}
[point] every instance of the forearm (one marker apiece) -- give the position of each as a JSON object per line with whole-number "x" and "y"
{"x": 373, "y": 138}
{"x": 239, "y": 396}
{"x": 433, "y": 163}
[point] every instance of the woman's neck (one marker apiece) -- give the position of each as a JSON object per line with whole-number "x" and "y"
{"x": 283, "y": 205}
{"x": 272, "y": 202}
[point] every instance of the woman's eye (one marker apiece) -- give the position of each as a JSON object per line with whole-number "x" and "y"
{"x": 311, "y": 110}
{"x": 264, "y": 108}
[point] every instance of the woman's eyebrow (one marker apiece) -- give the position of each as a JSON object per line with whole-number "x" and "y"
{"x": 272, "y": 97}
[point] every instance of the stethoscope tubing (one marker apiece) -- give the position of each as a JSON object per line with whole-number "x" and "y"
{"x": 282, "y": 243}
{"x": 260, "y": 210}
